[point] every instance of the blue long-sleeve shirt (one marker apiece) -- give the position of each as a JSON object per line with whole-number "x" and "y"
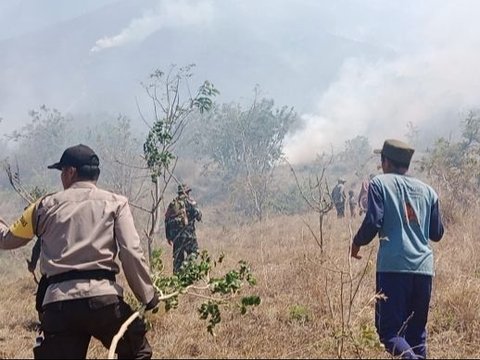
{"x": 405, "y": 213}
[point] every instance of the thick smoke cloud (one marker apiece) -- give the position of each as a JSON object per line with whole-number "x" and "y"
{"x": 166, "y": 14}
{"x": 349, "y": 67}
{"x": 431, "y": 81}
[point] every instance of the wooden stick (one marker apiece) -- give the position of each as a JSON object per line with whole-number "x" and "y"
{"x": 121, "y": 332}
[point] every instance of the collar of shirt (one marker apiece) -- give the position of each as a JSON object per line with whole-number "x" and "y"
{"x": 83, "y": 184}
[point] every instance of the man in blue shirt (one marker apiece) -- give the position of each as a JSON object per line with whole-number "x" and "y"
{"x": 405, "y": 214}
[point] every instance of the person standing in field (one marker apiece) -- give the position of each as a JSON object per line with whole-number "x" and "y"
{"x": 84, "y": 231}
{"x": 180, "y": 218}
{"x": 339, "y": 197}
{"x": 363, "y": 195}
{"x": 352, "y": 203}
{"x": 405, "y": 214}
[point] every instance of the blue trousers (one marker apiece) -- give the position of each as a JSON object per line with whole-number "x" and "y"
{"x": 401, "y": 318}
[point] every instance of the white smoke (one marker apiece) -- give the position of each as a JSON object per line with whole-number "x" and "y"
{"x": 168, "y": 13}
{"x": 431, "y": 86}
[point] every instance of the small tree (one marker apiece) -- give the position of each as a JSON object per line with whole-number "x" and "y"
{"x": 195, "y": 280}
{"x": 118, "y": 147}
{"x": 173, "y": 105}
{"x": 40, "y": 142}
{"x": 357, "y": 155}
{"x": 454, "y": 168}
{"x": 317, "y": 197}
{"x": 245, "y": 145}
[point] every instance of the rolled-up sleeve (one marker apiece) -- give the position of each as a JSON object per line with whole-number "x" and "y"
{"x": 132, "y": 256}
{"x": 18, "y": 237}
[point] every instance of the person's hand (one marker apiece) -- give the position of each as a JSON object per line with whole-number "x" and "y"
{"x": 354, "y": 251}
{"x": 30, "y": 266}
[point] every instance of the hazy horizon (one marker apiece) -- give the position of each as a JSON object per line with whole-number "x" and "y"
{"x": 348, "y": 67}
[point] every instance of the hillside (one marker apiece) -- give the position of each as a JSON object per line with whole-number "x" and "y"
{"x": 300, "y": 315}
{"x": 55, "y": 65}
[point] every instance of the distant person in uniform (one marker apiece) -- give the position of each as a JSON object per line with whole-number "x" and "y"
{"x": 405, "y": 214}
{"x": 352, "y": 203}
{"x": 180, "y": 218}
{"x": 339, "y": 197}
{"x": 84, "y": 232}
{"x": 363, "y": 195}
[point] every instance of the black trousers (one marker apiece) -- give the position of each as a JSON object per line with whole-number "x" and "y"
{"x": 183, "y": 247}
{"x": 69, "y": 325}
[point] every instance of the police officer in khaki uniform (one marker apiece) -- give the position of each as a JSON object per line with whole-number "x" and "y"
{"x": 83, "y": 230}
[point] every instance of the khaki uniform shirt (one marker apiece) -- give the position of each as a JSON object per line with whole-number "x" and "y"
{"x": 85, "y": 228}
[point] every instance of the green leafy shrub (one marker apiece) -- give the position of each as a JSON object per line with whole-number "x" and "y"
{"x": 194, "y": 279}
{"x": 299, "y": 313}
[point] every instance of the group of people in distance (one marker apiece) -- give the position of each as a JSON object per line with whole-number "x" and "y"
{"x": 84, "y": 230}
{"x": 341, "y": 200}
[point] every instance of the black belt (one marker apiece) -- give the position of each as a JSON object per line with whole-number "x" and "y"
{"x": 69, "y": 275}
{"x": 99, "y": 274}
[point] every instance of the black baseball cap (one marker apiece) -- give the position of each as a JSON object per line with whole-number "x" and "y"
{"x": 77, "y": 156}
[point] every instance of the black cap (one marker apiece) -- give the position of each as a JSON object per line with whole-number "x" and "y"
{"x": 77, "y": 156}
{"x": 396, "y": 150}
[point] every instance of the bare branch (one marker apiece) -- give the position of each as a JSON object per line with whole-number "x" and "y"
{"x": 16, "y": 183}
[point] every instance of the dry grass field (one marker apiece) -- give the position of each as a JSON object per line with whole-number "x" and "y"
{"x": 308, "y": 309}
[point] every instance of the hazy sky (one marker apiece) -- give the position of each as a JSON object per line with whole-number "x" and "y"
{"x": 417, "y": 60}
{"x": 19, "y": 16}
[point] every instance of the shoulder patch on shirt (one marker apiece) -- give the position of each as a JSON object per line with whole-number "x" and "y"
{"x": 23, "y": 227}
